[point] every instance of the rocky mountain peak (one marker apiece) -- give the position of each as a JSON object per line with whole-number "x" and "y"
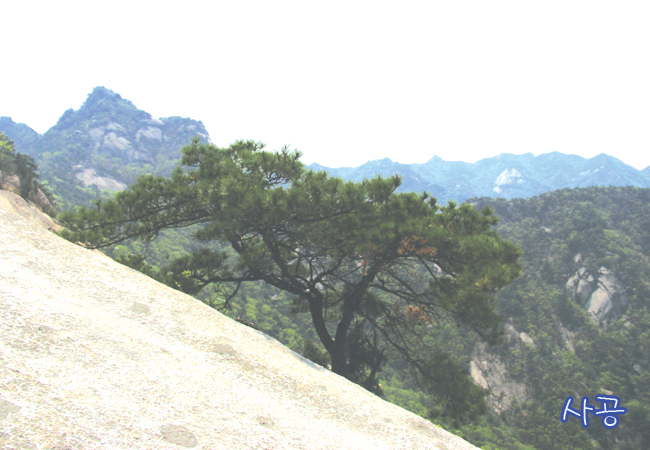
{"x": 104, "y": 144}
{"x": 102, "y": 106}
{"x": 100, "y": 93}
{"x": 102, "y": 99}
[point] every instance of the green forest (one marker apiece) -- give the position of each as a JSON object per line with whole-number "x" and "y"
{"x": 535, "y": 264}
{"x": 571, "y": 353}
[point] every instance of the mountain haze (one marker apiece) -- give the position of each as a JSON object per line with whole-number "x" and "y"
{"x": 502, "y": 176}
{"x": 576, "y": 323}
{"x": 105, "y": 144}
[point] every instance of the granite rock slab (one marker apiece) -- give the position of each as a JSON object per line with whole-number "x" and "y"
{"x": 94, "y": 355}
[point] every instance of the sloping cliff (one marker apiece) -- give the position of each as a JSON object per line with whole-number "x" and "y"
{"x": 95, "y": 355}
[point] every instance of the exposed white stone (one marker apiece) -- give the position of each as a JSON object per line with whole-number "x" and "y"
{"x": 600, "y": 302}
{"x": 112, "y": 141}
{"x": 477, "y": 375}
{"x": 149, "y": 133}
{"x": 96, "y": 355}
{"x": 526, "y": 339}
{"x": 88, "y": 177}
{"x": 596, "y": 294}
{"x": 581, "y": 285}
{"x": 508, "y": 176}
{"x": 114, "y": 126}
{"x": 489, "y": 371}
{"x": 15, "y": 203}
{"x": 96, "y": 133}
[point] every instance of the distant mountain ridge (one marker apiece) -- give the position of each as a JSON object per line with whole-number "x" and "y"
{"x": 576, "y": 323}
{"x": 506, "y": 175}
{"x": 106, "y": 143}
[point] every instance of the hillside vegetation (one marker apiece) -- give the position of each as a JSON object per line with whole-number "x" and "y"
{"x": 581, "y": 247}
{"x": 575, "y": 324}
{"x": 583, "y": 303}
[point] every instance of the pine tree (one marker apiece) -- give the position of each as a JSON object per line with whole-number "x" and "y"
{"x": 373, "y": 267}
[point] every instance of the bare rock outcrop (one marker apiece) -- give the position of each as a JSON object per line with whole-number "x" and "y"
{"x": 9, "y": 201}
{"x": 94, "y": 355}
{"x": 489, "y": 371}
{"x": 11, "y": 184}
{"x": 598, "y": 292}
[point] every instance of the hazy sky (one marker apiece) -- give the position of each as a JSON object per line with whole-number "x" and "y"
{"x": 346, "y": 82}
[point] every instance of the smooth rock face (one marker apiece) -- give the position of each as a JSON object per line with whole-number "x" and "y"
{"x": 94, "y": 355}
{"x": 16, "y": 204}
{"x": 490, "y": 372}
{"x": 596, "y": 294}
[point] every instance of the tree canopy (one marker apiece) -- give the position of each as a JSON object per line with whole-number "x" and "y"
{"x": 7, "y": 155}
{"x": 372, "y": 267}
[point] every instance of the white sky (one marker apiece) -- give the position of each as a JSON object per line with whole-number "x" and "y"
{"x": 346, "y": 82}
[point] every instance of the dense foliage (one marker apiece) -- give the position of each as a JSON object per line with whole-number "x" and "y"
{"x": 564, "y": 233}
{"x": 569, "y": 351}
{"x": 572, "y": 352}
{"x": 566, "y": 351}
{"x": 373, "y": 268}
